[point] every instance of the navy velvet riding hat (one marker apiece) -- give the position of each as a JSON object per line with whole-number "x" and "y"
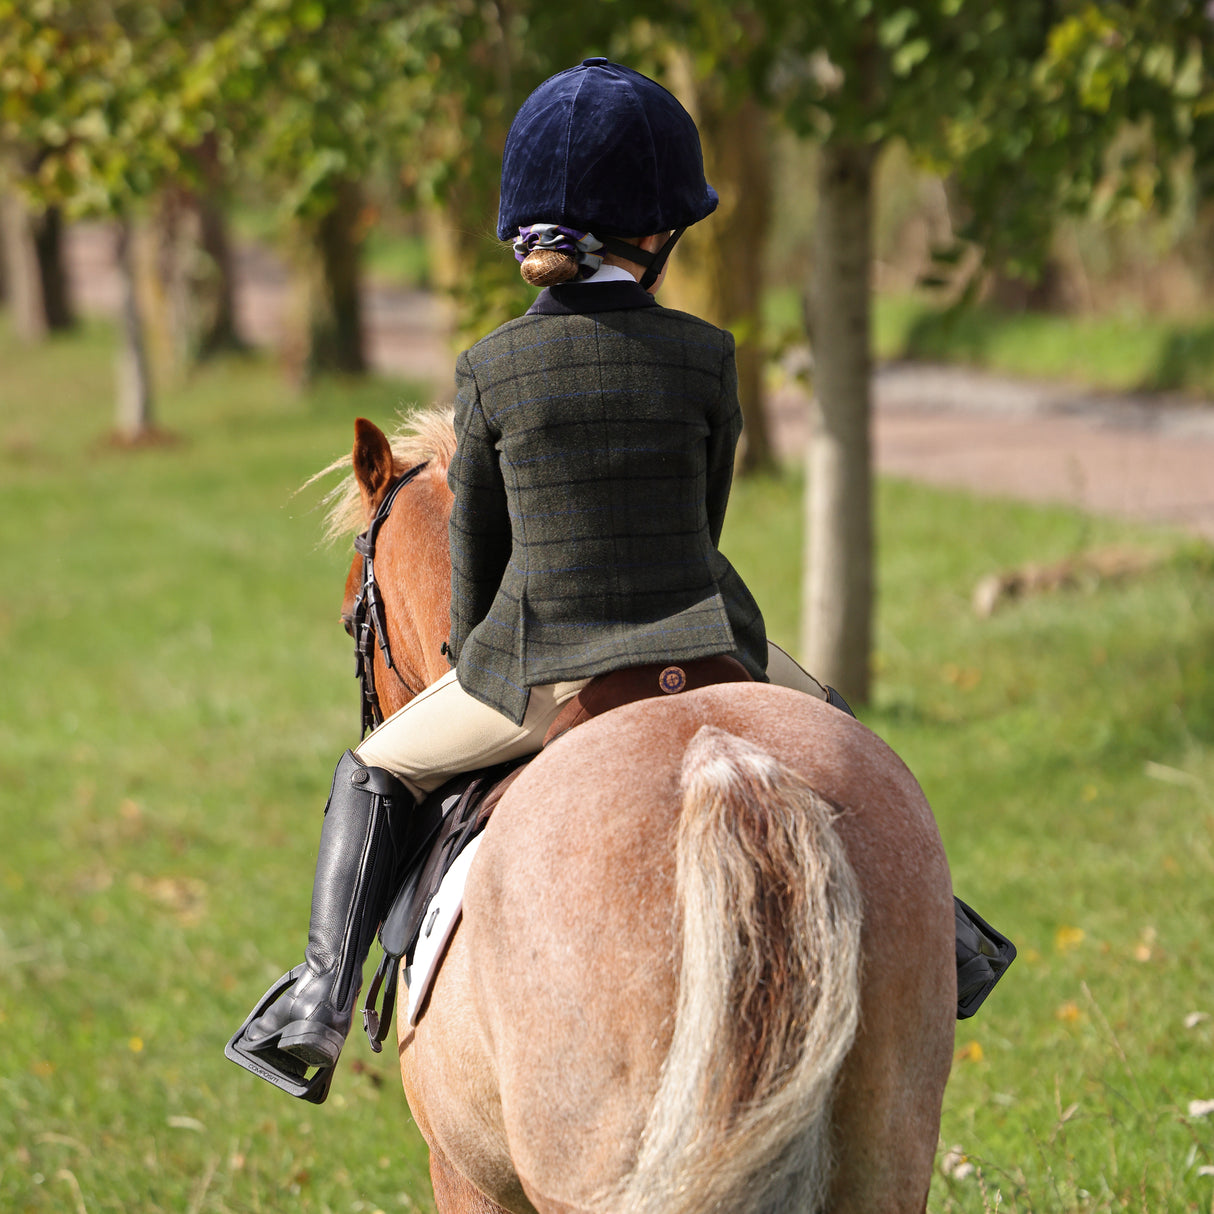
{"x": 603, "y": 149}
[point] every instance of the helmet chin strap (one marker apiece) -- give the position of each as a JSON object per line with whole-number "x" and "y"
{"x": 653, "y": 263}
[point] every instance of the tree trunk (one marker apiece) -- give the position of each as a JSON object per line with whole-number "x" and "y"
{"x": 1054, "y": 292}
{"x": 717, "y": 270}
{"x": 168, "y": 280}
{"x": 336, "y": 323}
{"x": 134, "y": 415}
{"x": 21, "y": 265}
{"x": 837, "y": 602}
{"x": 3, "y": 254}
{"x": 219, "y": 332}
{"x": 48, "y": 231}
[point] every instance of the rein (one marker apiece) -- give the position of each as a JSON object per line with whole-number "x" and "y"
{"x": 369, "y": 621}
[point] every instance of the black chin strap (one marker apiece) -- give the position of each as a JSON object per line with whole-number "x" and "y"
{"x": 653, "y": 262}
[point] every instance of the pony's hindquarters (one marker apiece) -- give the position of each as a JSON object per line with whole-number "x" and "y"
{"x": 769, "y": 914}
{"x": 672, "y": 937}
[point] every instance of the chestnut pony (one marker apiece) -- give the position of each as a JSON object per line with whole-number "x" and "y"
{"x": 706, "y": 958}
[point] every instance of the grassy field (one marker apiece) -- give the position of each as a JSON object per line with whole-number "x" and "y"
{"x": 176, "y": 689}
{"x": 1117, "y": 352}
{"x": 1136, "y": 352}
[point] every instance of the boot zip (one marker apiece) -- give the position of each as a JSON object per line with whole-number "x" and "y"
{"x": 354, "y": 938}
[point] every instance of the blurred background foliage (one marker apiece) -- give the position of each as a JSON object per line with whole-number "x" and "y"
{"x": 1041, "y": 155}
{"x": 1018, "y": 154}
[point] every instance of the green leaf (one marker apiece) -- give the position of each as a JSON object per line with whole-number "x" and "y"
{"x": 893, "y": 30}
{"x": 309, "y": 16}
{"x": 907, "y": 57}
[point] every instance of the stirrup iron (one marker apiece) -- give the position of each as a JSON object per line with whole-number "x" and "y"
{"x": 276, "y": 1066}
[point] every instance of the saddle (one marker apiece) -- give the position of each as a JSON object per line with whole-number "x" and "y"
{"x": 453, "y": 816}
{"x": 449, "y": 819}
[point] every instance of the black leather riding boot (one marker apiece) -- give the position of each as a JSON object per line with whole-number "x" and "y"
{"x": 983, "y": 955}
{"x": 364, "y": 818}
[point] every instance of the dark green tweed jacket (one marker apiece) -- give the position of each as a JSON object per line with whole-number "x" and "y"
{"x": 595, "y": 447}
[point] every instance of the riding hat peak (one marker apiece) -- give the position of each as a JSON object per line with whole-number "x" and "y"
{"x": 601, "y": 148}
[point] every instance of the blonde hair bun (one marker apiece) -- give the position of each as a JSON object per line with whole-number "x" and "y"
{"x": 547, "y": 267}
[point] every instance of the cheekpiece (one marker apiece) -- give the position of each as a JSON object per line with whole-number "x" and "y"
{"x": 600, "y": 148}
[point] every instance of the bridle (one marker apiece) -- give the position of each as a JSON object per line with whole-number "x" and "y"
{"x": 368, "y": 621}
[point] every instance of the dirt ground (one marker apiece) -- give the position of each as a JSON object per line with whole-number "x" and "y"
{"x": 1141, "y": 458}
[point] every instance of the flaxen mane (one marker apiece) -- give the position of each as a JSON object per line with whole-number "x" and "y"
{"x": 427, "y": 435}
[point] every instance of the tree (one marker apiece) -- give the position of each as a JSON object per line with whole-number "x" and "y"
{"x": 32, "y": 243}
{"x": 102, "y": 96}
{"x": 720, "y": 273}
{"x": 1022, "y": 102}
{"x": 18, "y": 251}
{"x": 52, "y": 270}
{"x": 330, "y": 96}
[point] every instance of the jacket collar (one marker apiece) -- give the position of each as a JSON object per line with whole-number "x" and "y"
{"x": 569, "y": 298}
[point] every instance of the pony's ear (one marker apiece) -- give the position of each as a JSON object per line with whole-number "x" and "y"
{"x": 373, "y": 466}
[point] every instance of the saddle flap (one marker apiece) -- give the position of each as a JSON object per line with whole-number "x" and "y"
{"x": 450, "y": 817}
{"x": 442, "y": 914}
{"x": 445, "y": 825}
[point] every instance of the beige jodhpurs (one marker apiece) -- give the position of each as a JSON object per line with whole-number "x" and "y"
{"x": 444, "y": 731}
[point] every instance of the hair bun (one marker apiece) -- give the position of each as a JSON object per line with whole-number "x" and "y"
{"x": 547, "y": 267}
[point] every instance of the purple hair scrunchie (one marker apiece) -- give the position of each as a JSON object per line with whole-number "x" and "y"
{"x": 579, "y": 245}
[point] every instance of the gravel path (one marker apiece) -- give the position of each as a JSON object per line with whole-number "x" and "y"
{"x": 1148, "y": 459}
{"x": 1131, "y": 457}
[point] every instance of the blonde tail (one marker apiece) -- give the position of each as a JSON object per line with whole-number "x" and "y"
{"x": 769, "y": 920}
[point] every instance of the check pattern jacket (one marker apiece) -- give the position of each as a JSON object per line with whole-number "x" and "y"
{"x": 595, "y": 448}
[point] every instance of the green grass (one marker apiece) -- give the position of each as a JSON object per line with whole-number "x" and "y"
{"x": 398, "y": 258}
{"x": 1115, "y": 352}
{"x": 176, "y": 689}
{"x": 1066, "y": 746}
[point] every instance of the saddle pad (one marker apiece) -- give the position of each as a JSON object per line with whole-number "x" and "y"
{"x": 442, "y": 914}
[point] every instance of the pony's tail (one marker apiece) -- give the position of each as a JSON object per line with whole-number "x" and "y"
{"x": 769, "y": 921}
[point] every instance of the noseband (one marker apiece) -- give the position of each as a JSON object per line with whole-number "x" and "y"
{"x": 368, "y": 619}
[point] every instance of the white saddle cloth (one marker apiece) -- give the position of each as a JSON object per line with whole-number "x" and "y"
{"x": 442, "y": 914}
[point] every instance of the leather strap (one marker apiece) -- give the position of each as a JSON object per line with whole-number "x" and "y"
{"x": 616, "y": 687}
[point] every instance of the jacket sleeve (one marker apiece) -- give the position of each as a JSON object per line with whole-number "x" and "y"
{"x": 725, "y": 428}
{"x": 480, "y": 521}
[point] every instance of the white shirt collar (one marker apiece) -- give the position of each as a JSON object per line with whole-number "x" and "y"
{"x": 609, "y": 273}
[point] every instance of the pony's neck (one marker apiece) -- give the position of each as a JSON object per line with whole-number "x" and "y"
{"x": 413, "y": 568}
